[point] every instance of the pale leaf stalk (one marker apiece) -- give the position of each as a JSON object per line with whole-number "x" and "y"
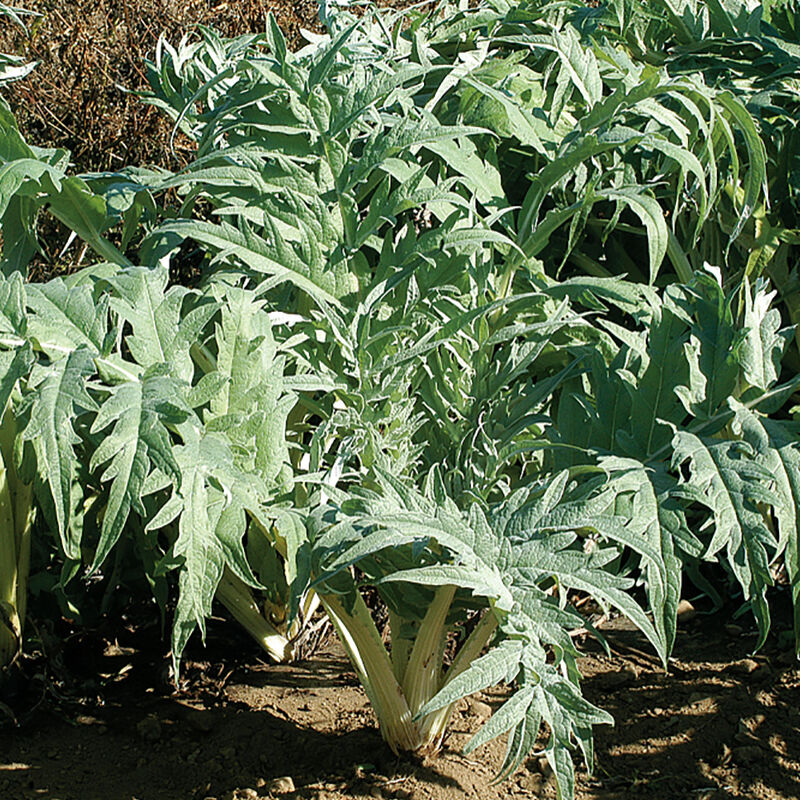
{"x": 237, "y": 598}
{"x": 23, "y": 522}
{"x": 436, "y": 722}
{"x": 400, "y": 686}
{"x": 504, "y": 290}
{"x": 10, "y": 627}
{"x": 678, "y": 258}
{"x": 310, "y": 601}
{"x": 308, "y": 605}
{"x": 203, "y": 357}
{"x": 423, "y": 673}
{"x": 369, "y": 658}
{"x": 401, "y": 646}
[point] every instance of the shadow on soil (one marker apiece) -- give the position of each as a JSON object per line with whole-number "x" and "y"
{"x": 722, "y": 724}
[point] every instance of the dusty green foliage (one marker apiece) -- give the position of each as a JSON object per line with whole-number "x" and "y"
{"x": 120, "y": 431}
{"x": 450, "y": 332}
{"x": 34, "y": 179}
{"x": 749, "y": 49}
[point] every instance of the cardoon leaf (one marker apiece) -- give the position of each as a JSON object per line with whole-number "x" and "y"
{"x": 60, "y": 398}
{"x": 649, "y": 212}
{"x": 13, "y": 301}
{"x": 535, "y": 561}
{"x": 203, "y": 461}
{"x": 271, "y": 258}
{"x": 402, "y": 137}
{"x": 253, "y": 405}
{"x": 138, "y": 441}
{"x": 506, "y": 717}
{"x": 777, "y": 447}
{"x": 501, "y": 663}
{"x": 655, "y": 391}
{"x": 64, "y": 318}
{"x": 581, "y": 64}
{"x": 727, "y": 478}
{"x": 523, "y": 124}
{"x": 755, "y": 181}
{"x": 712, "y": 351}
{"x": 14, "y": 365}
{"x": 161, "y": 333}
{"x": 764, "y": 341}
{"x": 652, "y": 519}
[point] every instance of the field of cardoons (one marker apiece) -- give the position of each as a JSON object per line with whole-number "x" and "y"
{"x": 400, "y": 404}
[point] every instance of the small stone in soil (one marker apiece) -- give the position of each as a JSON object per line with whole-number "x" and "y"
{"x": 734, "y": 630}
{"x": 242, "y": 794}
{"x": 614, "y": 680}
{"x": 531, "y": 782}
{"x": 744, "y": 667}
{"x": 281, "y": 785}
{"x": 85, "y": 719}
{"x": 699, "y": 697}
{"x": 686, "y": 611}
{"x": 544, "y": 765}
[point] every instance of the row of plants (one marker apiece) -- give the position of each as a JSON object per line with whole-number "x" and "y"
{"x": 482, "y": 308}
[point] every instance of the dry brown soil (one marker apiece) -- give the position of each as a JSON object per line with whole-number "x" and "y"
{"x": 90, "y": 56}
{"x": 721, "y": 723}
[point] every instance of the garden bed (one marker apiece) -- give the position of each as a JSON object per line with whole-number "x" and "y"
{"x": 369, "y": 328}
{"x": 721, "y": 724}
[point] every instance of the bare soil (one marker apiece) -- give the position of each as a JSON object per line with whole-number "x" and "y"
{"x": 99, "y": 720}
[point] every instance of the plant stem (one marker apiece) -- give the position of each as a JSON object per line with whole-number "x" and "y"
{"x": 235, "y": 595}
{"x": 370, "y": 660}
{"x": 23, "y": 519}
{"x": 10, "y": 628}
{"x": 424, "y": 670}
{"x": 680, "y": 262}
{"x": 401, "y": 645}
{"x": 308, "y": 605}
{"x": 436, "y": 723}
{"x": 473, "y": 646}
{"x": 420, "y": 670}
